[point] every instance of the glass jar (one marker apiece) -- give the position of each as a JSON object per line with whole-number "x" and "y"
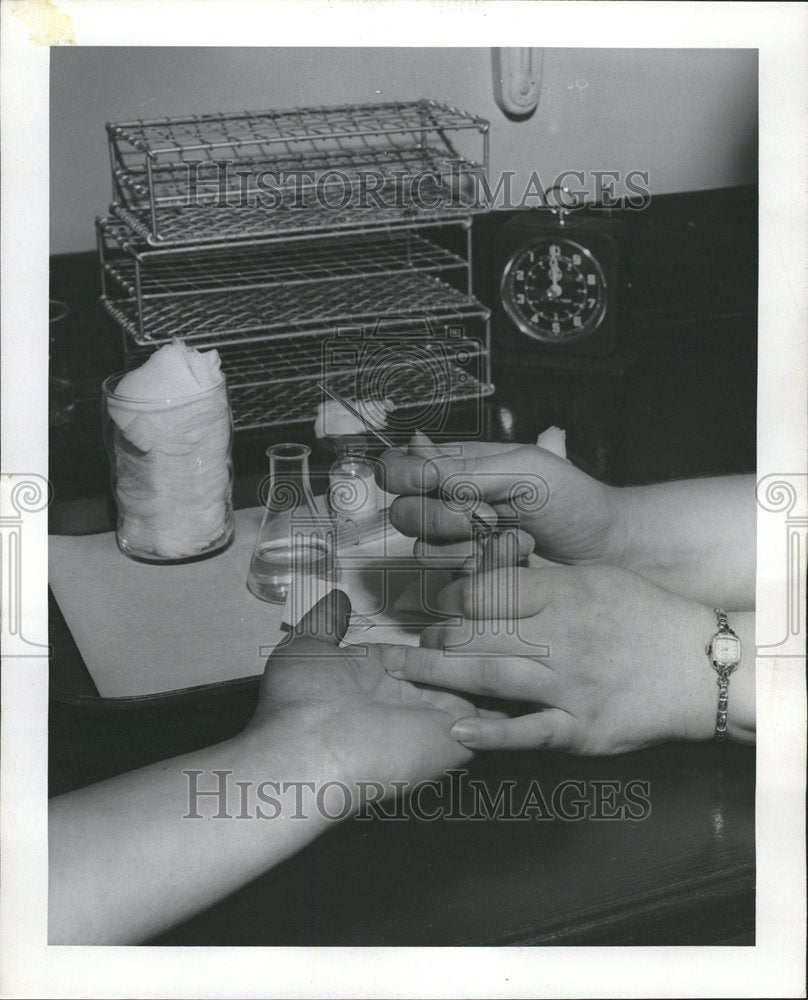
{"x": 353, "y": 494}
{"x": 172, "y": 472}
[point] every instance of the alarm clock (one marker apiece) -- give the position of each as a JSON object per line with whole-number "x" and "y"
{"x": 553, "y": 281}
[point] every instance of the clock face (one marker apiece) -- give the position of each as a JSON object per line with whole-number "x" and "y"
{"x": 726, "y": 649}
{"x": 554, "y": 290}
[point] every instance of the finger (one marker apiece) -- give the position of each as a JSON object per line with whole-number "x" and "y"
{"x": 505, "y": 547}
{"x": 504, "y": 511}
{"x": 499, "y": 550}
{"x": 455, "y": 554}
{"x": 504, "y": 637}
{"x": 517, "y": 478}
{"x": 509, "y": 592}
{"x": 419, "y": 469}
{"x": 551, "y": 729}
{"x": 478, "y": 449}
{"x": 326, "y": 621}
{"x": 452, "y": 556}
{"x": 514, "y": 677}
{"x": 454, "y": 705}
{"x": 436, "y": 521}
{"x": 416, "y": 471}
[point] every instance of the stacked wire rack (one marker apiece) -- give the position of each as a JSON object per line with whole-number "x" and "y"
{"x": 317, "y": 243}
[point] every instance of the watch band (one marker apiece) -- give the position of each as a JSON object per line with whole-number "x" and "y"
{"x": 724, "y": 671}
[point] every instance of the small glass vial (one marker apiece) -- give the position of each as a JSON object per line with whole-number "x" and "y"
{"x": 295, "y": 544}
{"x": 353, "y": 494}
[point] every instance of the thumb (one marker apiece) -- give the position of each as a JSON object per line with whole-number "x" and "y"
{"x": 515, "y": 476}
{"x": 327, "y": 620}
{"x": 519, "y": 477}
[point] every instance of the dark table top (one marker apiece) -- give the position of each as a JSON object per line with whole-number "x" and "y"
{"x": 678, "y": 401}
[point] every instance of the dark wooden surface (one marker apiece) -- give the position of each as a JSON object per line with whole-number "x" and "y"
{"x": 678, "y": 401}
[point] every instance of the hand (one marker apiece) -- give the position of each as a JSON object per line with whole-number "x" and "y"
{"x": 368, "y": 725}
{"x": 568, "y": 516}
{"x": 324, "y": 715}
{"x": 609, "y": 661}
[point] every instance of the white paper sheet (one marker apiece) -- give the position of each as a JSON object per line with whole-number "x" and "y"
{"x": 145, "y": 629}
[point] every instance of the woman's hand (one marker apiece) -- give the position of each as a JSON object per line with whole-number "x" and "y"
{"x": 607, "y": 661}
{"x": 565, "y": 514}
{"x": 694, "y": 537}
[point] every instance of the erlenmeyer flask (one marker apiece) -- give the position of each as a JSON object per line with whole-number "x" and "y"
{"x": 296, "y": 539}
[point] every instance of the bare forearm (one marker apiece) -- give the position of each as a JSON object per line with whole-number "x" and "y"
{"x": 135, "y": 854}
{"x": 695, "y": 537}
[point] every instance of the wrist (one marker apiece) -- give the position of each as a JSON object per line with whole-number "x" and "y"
{"x": 741, "y": 726}
{"x": 326, "y": 745}
{"x": 621, "y": 502}
{"x": 702, "y": 699}
{"x": 701, "y": 678}
{"x": 292, "y": 746}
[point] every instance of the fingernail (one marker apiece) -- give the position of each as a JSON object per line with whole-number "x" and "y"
{"x": 419, "y": 444}
{"x": 393, "y": 661}
{"x": 465, "y": 731}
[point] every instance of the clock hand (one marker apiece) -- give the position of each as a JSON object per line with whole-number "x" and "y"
{"x": 554, "y": 271}
{"x": 555, "y": 275}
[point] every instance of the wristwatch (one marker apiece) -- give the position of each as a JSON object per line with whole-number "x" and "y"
{"x": 724, "y": 652}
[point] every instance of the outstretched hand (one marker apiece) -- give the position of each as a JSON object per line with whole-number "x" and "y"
{"x": 608, "y": 661}
{"x": 372, "y": 726}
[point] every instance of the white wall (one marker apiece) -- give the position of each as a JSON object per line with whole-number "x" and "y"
{"x": 687, "y": 116}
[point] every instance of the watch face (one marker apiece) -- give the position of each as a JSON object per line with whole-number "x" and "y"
{"x": 726, "y": 650}
{"x": 554, "y": 290}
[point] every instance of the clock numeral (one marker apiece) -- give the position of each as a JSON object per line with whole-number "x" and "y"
{"x": 520, "y": 275}
{"x": 576, "y": 320}
{"x": 576, "y": 258}
{"x": 521, "y": 299}
{"x": 591, "y": 279}
{"x": 556, "y": 328}
{"x": 531, "y": 256}
{"x": 590, "y": 303}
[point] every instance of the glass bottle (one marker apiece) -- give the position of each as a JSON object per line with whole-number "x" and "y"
{"x": 353, "y": 494}
{"x": 296, "y": 538}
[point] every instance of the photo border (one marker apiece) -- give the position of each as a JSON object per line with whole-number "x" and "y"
{"x": 775, "y": 965}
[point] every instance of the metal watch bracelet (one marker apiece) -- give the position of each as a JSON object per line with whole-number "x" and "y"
{"x": 724, "y": 671}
